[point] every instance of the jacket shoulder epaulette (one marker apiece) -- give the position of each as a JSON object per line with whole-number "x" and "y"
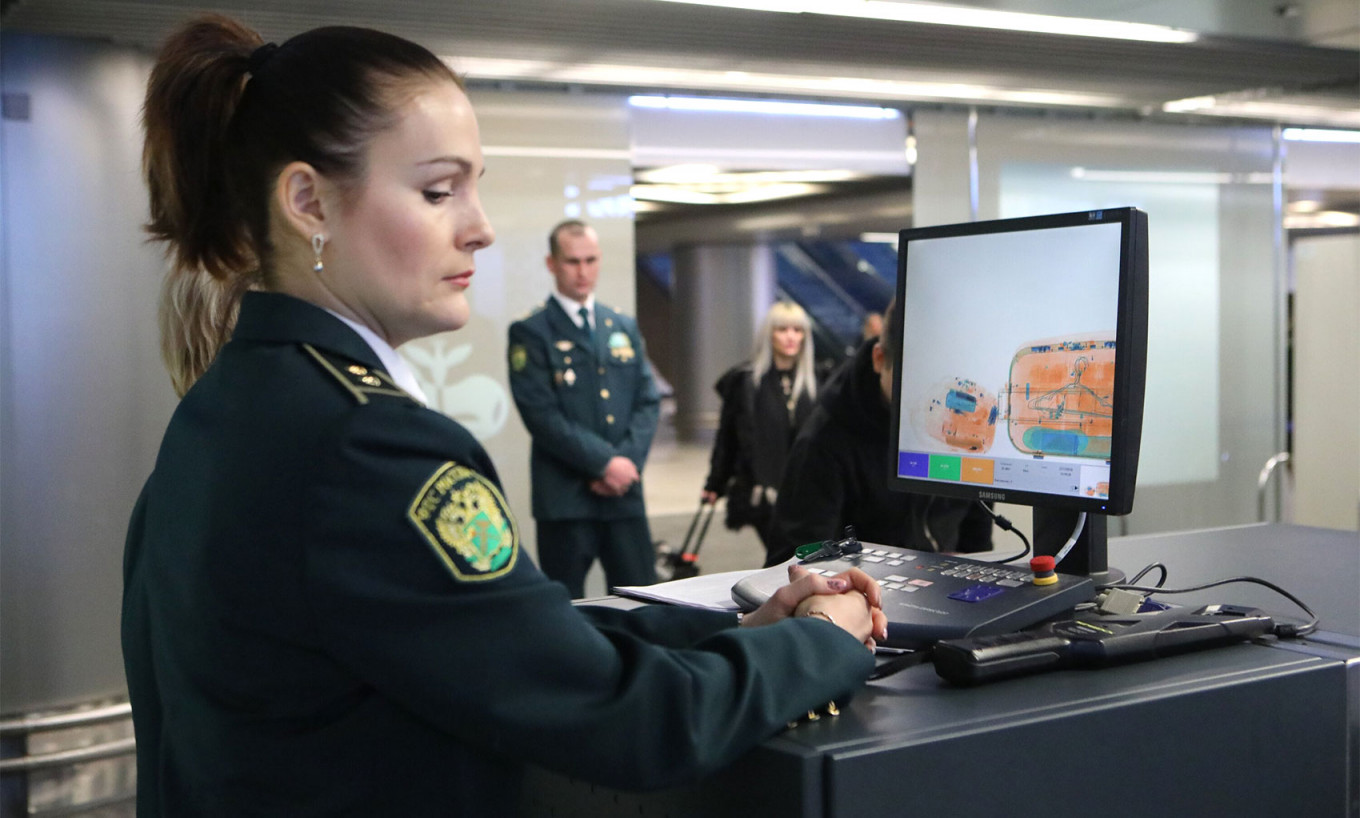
{"x": 361, "y": 381}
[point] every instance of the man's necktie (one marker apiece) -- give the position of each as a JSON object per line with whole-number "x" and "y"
{"x": 585, "y": 324}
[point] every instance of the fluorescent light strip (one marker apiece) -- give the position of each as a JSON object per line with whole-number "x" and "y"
{"x": 1188, "y": 105}
{"x": 961, "y": 16}
{"x": 489, "y": 68}
{"x": 1321, "y": 220}
{"x": 686, "y": 195}
{"x": 1300, "y": 113}
{"x": 763, "y": 106}
{"x": 555, "y": 153}
{"x": 661, "y": 154}
{"x": 1170, "y": 177}
{"x": 711, "y": 174}
{"x": 1320, "y": 135}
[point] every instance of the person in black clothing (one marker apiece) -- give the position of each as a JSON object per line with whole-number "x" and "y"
{"x": 326, "y": 606}
{"x": 837, "y": 471}
{"x": 765, "y": 401}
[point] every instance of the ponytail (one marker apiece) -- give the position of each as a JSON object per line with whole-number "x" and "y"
{"x": 197, "y": 315}
{"x": 191, "y": 98}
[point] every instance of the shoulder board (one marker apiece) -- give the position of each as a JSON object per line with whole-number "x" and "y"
{"x": 361, "y": 381}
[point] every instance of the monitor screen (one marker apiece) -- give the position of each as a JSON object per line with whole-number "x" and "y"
{"x": 1023, "y": 360}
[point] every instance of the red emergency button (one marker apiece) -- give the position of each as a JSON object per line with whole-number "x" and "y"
{"x": 1043, "y": 568}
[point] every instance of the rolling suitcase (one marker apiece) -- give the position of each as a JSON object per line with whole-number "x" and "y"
{"x": 684, "y": 563}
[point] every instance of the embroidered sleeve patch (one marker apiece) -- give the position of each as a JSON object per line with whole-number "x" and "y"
{"x": 467, "y": 522}
{"x": 519, "y": 357}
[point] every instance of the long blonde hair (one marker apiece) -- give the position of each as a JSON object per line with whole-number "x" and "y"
{"x": 786, "y": 314}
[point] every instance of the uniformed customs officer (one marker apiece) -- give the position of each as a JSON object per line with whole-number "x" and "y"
{"x": 580, "y": 378}
{"x": 326, "y": 609}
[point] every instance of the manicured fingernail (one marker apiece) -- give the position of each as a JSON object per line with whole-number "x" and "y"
{"x": 837, "y": 584}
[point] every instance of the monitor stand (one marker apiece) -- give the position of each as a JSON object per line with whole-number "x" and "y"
{"x": 1089, "y": 557}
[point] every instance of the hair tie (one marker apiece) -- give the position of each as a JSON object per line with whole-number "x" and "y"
{"x": 260, "y": 56}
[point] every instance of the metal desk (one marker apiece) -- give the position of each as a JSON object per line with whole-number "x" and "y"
{"x": 1247, "y": 730}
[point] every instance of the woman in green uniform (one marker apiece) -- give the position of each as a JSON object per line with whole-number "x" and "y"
{"x": 326, "y": 609}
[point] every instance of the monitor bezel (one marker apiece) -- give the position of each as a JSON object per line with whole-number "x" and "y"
{"x": 1130, "y": 360}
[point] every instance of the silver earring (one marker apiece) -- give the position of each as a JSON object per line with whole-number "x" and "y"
{"x": 318, "y": 243}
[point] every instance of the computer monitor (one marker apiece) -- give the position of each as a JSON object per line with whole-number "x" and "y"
{"x": 1022, "y": 368}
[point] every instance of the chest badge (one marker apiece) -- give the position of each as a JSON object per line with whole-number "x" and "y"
{"x": 465, "y": 519}
{"x": 564, "y": 346}
{"x": 621, "y": 347}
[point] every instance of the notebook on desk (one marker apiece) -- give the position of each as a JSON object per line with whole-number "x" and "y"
{"x": 928, "y": 597}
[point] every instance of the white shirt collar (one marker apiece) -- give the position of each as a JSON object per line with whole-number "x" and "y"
{"x": 572, "y": 308}
{"x": 392, "y": 362}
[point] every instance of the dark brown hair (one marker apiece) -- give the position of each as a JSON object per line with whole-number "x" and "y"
{"x": 223, "y": 116}
{"x": 891, "y": 339}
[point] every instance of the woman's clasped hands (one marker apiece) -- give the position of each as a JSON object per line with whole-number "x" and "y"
{"x": 851, "y": 600}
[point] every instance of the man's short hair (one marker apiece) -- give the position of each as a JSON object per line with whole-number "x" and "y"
{"x": 891, "y": 339}
{"x": 573, "y": 226}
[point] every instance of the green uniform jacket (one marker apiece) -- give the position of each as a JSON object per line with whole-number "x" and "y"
{"x": 583, "y": 403}
{"x": 326, "y": 612}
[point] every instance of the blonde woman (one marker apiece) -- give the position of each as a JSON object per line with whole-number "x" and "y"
{"x": 764, "y": 402}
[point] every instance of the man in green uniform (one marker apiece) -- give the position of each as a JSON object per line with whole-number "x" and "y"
{"x": 580, "y": 377}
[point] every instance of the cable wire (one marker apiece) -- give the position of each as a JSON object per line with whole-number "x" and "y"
{"x": 1006, "y": 525}
{"x": 1154, "y": 566}
{"x": 1283, "y": 629}
{"x": 1072, "y": 540}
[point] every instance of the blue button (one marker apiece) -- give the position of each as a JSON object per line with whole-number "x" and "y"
{"x": 977, "y": 593}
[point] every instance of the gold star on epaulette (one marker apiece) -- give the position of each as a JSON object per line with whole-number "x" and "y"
{"x": 359, "y": 380}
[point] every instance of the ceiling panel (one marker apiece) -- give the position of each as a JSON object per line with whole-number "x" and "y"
{"x": 561, "y": 35}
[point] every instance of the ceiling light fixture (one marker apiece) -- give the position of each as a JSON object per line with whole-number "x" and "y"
{"x": 1169, "y": 177}
{"x": 763, "y": 106}
{"x": 1321, "y": 220}
{"x": 936, "y": 14}
{"x": 1320, "y": 135}
{"x": 1261, "y": 105}
{"x": 681, "y": 194}
{"x": 1188, "y": 105}
{"x": 487, "y": 68}
{"x": 704, "y": 175}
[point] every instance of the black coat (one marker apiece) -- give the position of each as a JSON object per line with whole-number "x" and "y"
{"x": 838, "y": 474}
{"x": 752, "y": 443}
{"x": 327, "y": 611}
